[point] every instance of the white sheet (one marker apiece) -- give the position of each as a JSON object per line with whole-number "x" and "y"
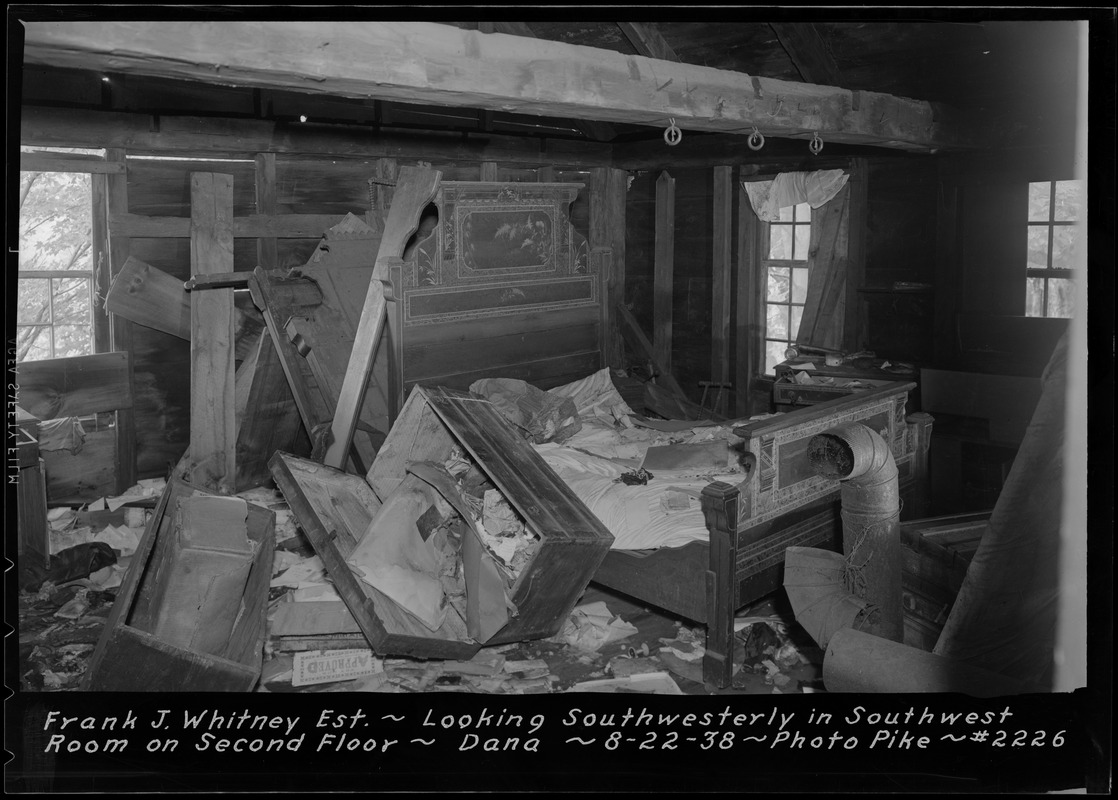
{"x": 637, "y": 516}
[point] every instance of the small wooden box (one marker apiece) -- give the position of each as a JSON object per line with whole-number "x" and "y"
{"x": 131, "y": 658}
{"x": 334, "y": 510}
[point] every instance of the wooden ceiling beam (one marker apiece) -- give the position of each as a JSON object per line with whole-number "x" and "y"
{"x": 591, "y": 129}
{"x": 445, "y": 65}
{"x": 805, "y": 46}
{"x": 647, "y": 41}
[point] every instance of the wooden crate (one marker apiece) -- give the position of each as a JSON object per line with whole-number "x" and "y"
{"x": 334, "y": 510}
{"x": 129, "y": 657}
{"x": 936, "y": 553}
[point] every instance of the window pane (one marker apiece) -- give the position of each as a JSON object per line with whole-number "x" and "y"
{"x": 803, "y": 213}
{"x": 777, "y": 284}
{"x": 71, "y": 301}
{"x": 1065, "y": 245}
{"x": 55, "y": 218}
{"x": 1038, "y": 247}
{"x": 797, "y": 315}
{"x": 774, "y": 354}
{"x": 1039, "y": 205}
{"x": 776, "y": 322}
{"x": 803, "y": 239}
{"x": 1069, "y": 201}
{"x": 780, "y": 241}
{"x": 1034, "y": 297}
{"x": 799, "y": 285}
{"x": 32, "y": 344}
{"x": 34, "y": 305}
{"x": 787, "y": 214}
{"x": 1061, "y": 297}
{"x": 72, "y": 340}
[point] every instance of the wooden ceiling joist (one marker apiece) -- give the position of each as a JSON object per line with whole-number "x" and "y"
{"x": 445, "y": 65}
{"x": 647, "y": 41}
{"x": 808, "y": 51}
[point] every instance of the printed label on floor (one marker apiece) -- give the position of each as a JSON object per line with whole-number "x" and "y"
{"x": 333, "y": 665}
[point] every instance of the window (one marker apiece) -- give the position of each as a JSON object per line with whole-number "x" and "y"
{"x": 55, "y": 295}
{"x": 785, "y": 280}
{"x": 1055, "y": 209}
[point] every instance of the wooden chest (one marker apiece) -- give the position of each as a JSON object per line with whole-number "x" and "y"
{"x": 334, "y": 509}
{"x": 131, "y": 657}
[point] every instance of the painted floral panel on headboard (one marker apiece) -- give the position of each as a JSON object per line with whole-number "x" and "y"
{"x": 499, "y": 248}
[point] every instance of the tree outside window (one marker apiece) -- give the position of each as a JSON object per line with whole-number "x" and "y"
{"x": 1054, "y": 235}
{"x": 785, "y": 274}
{"x": 55, "y": 305}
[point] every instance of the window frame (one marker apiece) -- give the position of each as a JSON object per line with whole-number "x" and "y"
{"x": 765, "y": 263}
{"x": 1049, "y": 272}
{"x": 35, "y": 158}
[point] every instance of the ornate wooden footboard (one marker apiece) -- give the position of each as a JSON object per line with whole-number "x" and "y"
{"x": 781, "y": 503}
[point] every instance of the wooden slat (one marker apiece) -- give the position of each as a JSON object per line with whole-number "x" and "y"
{"x": 213, "y": 431}
{"x": 415, "y": 188}
{"x": 822, "y": 411}
{"x": 68, "y": 162}
{"x": 253, "y": 226}
{"x": 487, "y": 327}
{"x": 422, "y": 62}
{"x": 67, "y": 127}
{"x": 664, "y": 272}
{"x": 607, "y": 230}
{"x": 266, "y": 205}
{"x": 721, "y": 295}
{"x": 120, "y": 329}
{"x": 75, "y": 387}
{"x": 748, "y": 321}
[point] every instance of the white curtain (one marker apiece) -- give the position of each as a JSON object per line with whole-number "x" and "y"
{"x": 793, "y": 188}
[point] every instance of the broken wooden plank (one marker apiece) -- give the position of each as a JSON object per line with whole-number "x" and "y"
{"x": 76, "y": 386}
{"x": 664, "y": 271}
{"x": 423, "y": 62}
{"x": 151, "y": 297}
{"x": 212, "y": 400}
{"x": 415, "y": 188}
{"x": 642, "y": 349}
{"x": 268, "y": 420}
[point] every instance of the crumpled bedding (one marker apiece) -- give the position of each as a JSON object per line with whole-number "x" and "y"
{"x": 666, "y": 511}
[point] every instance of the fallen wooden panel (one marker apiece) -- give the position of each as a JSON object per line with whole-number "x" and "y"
{"x": 131, "y": 657}
{"x": 83, "y": 476}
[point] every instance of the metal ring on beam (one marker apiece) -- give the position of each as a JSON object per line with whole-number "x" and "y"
{"x": 672, "y": 134}
{"x": 816, "y": 144}
{"x": 756, "y": 140}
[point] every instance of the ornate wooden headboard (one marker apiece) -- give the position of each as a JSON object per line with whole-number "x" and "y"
{"x": 501, "y": 286}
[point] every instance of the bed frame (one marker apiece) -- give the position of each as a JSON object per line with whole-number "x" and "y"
{"x": 780, "y": 504}
{"x": 473, "y": 301}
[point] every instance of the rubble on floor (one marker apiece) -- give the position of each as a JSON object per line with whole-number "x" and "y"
{"x": 608, "y": 643}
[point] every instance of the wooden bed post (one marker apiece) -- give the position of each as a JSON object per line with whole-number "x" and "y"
{"x": 920, "y": 441}
{"x": 720, "y": 509}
